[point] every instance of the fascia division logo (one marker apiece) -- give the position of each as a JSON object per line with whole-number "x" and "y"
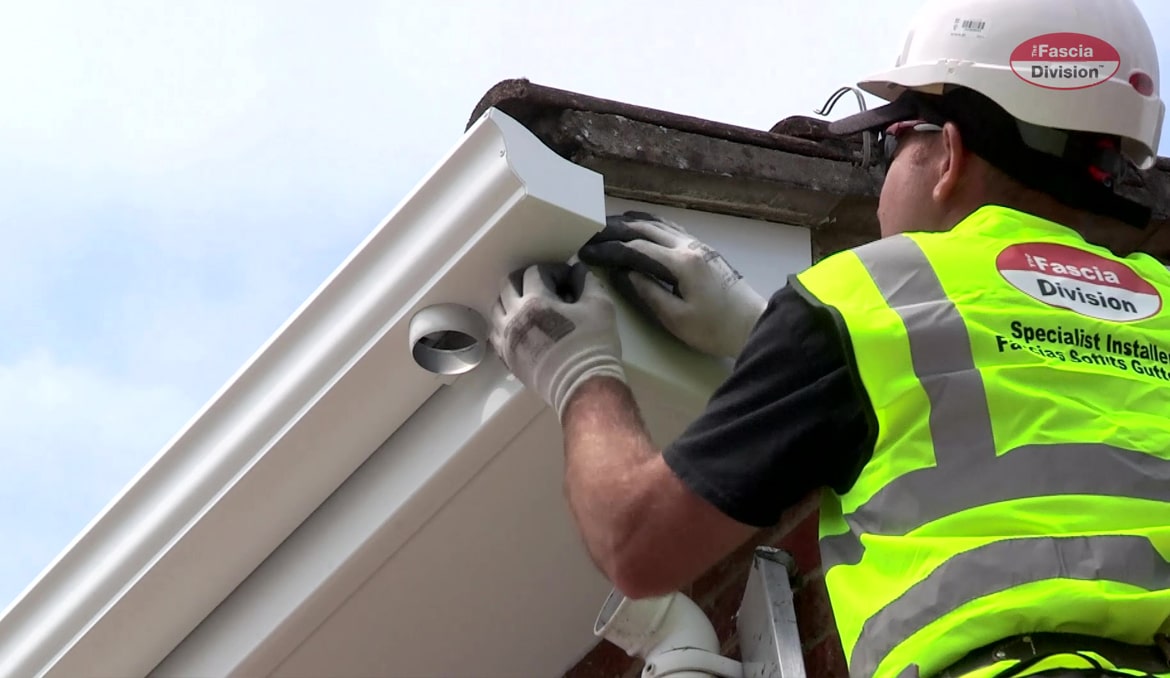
{"x": 1065, "y": 61}
{"x": 1079, "y": 281}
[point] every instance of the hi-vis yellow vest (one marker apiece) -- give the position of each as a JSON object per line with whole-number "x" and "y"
{"x": 1020, "y": 479}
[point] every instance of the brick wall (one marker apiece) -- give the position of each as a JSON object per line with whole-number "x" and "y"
{"x": 719, "y": 592}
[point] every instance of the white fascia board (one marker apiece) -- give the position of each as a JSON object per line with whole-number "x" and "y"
{"x": 443, "y": 445}
{"x": 334, "y": 382}
{"x": 398, "y": 491}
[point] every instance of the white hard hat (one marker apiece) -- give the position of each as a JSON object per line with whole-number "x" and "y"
{"x": 1083, "y": 65}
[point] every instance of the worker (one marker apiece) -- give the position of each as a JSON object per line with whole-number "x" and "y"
{"x": 981, "y": 394}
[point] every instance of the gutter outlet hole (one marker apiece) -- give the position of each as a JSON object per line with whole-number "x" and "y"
{"x": 447, "y": 339}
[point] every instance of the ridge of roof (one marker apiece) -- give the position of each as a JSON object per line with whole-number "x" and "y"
{"x": 527, "y": 101}
{"x": 793, "y": 173}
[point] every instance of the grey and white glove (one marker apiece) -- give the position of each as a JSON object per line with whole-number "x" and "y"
{"x": 680, "y": 282}
{"x": 554, "y": 326}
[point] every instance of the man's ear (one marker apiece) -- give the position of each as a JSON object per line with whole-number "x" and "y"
{"x": 954, "y": 164}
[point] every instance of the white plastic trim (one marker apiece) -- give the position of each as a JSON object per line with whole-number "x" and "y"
{"x": 443, "y": 445}
{"x": 651, "y": 627}
{"x": 375, "y": 513}
{"x": 310, "y": 406}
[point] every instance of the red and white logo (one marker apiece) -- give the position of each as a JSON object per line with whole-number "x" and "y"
{"x": 1065, "y": 61}
{"x": 1080, "y": 281}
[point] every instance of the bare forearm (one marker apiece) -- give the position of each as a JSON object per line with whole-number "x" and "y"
{"x": 645, "y": 529}
{"x": 607, "y": 452}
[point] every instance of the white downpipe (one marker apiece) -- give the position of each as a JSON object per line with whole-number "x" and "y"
{"x": 649, "y": 627}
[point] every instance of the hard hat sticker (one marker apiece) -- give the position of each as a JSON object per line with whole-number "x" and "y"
{"x": 1065, "y": 61}
{"x": 962, "y": 28}
{"x": 1079, "y": 281}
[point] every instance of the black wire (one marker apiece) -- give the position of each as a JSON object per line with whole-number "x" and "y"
{"x": 1025, "y": 664}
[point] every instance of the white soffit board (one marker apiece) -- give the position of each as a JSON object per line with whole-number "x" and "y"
{"x": 332, "y": 384}
{"x": 766, "y": 253}
{"x": 451, "y": 551}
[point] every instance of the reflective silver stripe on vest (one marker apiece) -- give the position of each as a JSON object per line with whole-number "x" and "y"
{"x": 842, "y": 549}
{"x": 921, "y": 496}
{"x": 964, "y": 445}
{"x": 918, "y": 498}
{"x": 960, "y": 425}
{"x": 940, "y": 351}
{"x": 963, "y": 578}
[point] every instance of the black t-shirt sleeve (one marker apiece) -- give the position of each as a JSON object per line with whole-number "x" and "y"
{"x": 789, "y": 419}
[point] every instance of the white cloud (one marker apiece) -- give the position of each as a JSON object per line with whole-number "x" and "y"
{"x": 145, "y": 83}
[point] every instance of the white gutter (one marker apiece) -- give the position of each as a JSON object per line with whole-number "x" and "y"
{"x": 311, "y": 405}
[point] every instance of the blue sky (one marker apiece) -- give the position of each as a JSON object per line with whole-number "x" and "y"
{"x": 178, "y": 179}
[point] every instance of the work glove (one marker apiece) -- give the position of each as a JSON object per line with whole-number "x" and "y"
{"x": 554, "y": 326}
{"x": 679, "y": 282}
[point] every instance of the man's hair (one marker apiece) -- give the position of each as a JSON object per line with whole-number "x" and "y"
{"x": 1007, "y": 191}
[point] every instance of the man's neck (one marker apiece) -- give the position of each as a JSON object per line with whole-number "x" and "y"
{"x": 1116, "y": 235}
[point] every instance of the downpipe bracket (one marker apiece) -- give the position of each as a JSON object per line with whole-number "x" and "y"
{"x": 689, "y": 661}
